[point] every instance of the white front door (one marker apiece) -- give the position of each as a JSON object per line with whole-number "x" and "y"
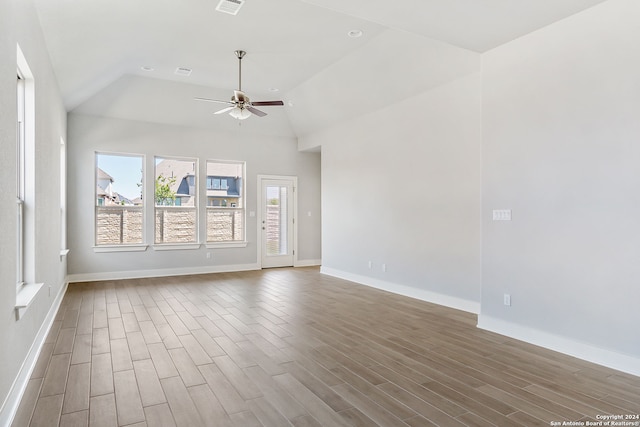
{"x": 277, "y": 222}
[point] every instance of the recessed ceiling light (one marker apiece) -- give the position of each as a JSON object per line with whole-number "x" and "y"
{"x": 183, "y": 71}
{"x": 355, "y": 33}
{"x": 146, "y": 68}
{"x": 274, "y": 89}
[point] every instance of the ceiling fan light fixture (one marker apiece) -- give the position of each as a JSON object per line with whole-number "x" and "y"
{"x": 240, "y": 113}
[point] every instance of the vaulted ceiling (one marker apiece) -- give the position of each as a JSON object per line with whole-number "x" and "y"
{"x": 117, "y": 58}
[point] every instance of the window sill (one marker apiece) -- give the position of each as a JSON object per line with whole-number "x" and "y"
{"x": 25, "y": 296}
{"x": 175, "y": 246}
{"x": 223, "y": 245}
{"x": 120, "y": 248}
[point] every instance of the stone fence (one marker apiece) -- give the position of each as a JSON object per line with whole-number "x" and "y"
{"x": 173, "y": 224}
{"x": 117, "y": 225}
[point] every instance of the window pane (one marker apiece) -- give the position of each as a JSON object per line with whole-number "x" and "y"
{"x": 119, "y": 218}
{"x": 225, "y": 205}
{"x": 276, "y": 221}
{"x": 175, "y": 200}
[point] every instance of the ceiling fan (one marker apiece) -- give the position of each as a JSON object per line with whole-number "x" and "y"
{"x": 240, "y": 106}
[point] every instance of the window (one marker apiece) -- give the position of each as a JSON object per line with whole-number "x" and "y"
{"x": 176, "y": 196}
{"x": 119, "y": 205}
{"x": 225, "y": 204}
{"x": 25, "y": 174}
{"x": 63, "y": 198}
{"x": 217, "y": 183}
{"x": 20, "y": 202}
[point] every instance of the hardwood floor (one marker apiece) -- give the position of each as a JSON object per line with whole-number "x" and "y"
{"x": 287, "y": 347}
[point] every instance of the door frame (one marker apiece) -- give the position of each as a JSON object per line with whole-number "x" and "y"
{"x": 294, "y": 208}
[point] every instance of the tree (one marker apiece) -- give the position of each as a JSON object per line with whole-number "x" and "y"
{"x": 165, "y": 196}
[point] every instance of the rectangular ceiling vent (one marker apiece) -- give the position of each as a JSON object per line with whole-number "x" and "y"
{"x": 183, "y": 71}
{"x": 232, "y": 7}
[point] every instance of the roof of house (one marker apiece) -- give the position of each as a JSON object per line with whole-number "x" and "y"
{"x": 103, "y": 175}
{"x": 175, "y": 168}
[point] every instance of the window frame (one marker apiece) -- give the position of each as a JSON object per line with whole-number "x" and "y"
{"x": 20, "y": 177}
{"x": 26, "y": 286}
{"x": 119, "y": 247}
{"x": 230, "y": 207}
{"x": 163, "y": 245}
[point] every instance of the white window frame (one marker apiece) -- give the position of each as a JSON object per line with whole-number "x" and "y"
{"x": 63, "y": 199}
{"x": 26, "y": 286}
{"x": 119, "y": 247}
{"x": 162, "y": 246}
{"x": 228, "y": 243}
{"x": 20, "y": 177}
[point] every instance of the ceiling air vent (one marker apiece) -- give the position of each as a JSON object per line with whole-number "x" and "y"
{"x": 183, "y": 71}
{"x": 232, "y": 7}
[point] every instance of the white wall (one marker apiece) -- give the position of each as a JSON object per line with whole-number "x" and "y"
{"x": 561, "y": 129}
{"x": 268, "y": 155}
{"x": 19, "y": 24}
{"x": 401, "y": 187}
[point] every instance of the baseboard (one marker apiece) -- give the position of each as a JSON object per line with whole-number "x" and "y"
{"x": 161, "y": 272}
{"x": 308, "y": 263}
{"x": 588, "y": 352}
{"x": 408, "y": 291}
{"x": 12, "y": 402}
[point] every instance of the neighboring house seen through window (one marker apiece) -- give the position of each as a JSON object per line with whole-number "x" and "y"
{"x": 119, "y": 206}
{"x": 225, "y": 201}
{"x": 176, "y": 196}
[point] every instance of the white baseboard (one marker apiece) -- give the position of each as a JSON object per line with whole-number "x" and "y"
{"x": 308, "y": 263}
{"x": 160, "y": 272}
{"x": 12, "y": 402}
{"x": 588, "y": 352}
{"x": 408, "y": 291}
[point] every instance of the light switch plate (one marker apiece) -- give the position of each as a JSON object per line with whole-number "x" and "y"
{"x": 502, "y": 214}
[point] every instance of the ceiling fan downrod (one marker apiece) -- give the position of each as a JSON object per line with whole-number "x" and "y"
{"x": 240, "y": 54}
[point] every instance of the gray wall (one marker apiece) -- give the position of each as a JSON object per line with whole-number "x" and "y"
{"x": 19, "y": 24}
{"x": 401, "y": 187}
{"x": 561, "y": 149}
{"x": 270, "y": 155}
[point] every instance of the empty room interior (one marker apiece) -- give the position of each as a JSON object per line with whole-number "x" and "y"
{"x": 319, "y": 213}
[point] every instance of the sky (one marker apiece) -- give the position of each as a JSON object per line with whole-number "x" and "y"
{"x": 126, "y": 172}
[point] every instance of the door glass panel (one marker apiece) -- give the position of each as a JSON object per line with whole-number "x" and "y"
{"x": 276, "y": 220}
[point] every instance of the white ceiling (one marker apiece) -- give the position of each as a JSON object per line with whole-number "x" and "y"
{"x": 299, "y": 47}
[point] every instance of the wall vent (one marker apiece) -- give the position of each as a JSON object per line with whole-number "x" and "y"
{"x": 183, "y": 71}
{"x": 232, "y": 7}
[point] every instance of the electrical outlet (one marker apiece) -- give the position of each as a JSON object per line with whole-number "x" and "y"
{"x": 208, "y": 255}
{"x": 370, "y": 265}
{"x": 502, "y": 214}
{"x": 507, "y": 299}
{"x": 384, "y": 268}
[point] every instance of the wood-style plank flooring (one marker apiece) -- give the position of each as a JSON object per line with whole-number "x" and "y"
{"x": 292, "y": 347}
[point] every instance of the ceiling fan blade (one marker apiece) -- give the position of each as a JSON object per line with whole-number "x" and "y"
{"x": 255, "y": 111}
{"x": 265, "y": 103}
{"x": 224, "y": 110}
{"x": 213, "y": 100}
